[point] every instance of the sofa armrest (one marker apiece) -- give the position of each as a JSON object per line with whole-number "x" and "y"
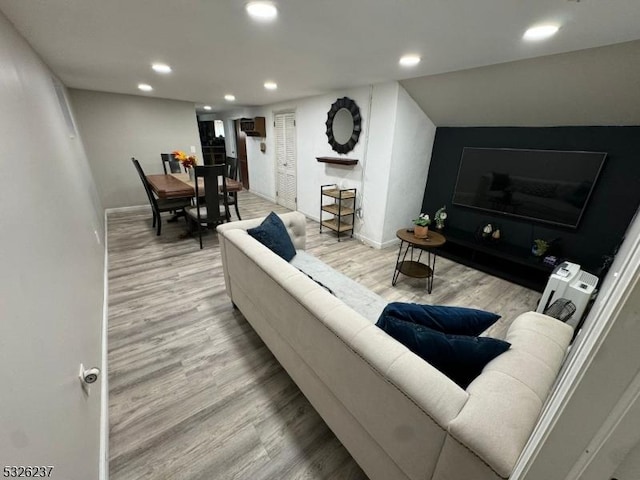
{"x": 507, "y": 398}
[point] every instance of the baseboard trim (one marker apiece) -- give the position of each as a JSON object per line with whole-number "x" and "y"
{"x": 262, "y": 195}
{"x": 132, "y": 208}
{"x": 390, "y": 243}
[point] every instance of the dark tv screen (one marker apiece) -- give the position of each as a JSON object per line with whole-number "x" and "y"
{"x": 544, "y": 185}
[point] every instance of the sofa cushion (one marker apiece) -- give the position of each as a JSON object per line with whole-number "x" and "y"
{"x": 273, "y": 234}
{"x": 460, "y": 357}
{"x": 454, "y": 320}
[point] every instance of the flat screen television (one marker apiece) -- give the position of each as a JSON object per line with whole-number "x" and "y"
{"x": 547, "y": 186}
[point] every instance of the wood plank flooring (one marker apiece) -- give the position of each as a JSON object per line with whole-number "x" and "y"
{"x": 193, "y": 391}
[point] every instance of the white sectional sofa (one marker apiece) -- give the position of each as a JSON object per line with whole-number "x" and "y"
{"x": 399, "y": 417}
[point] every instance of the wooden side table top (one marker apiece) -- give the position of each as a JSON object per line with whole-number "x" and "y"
{"x": 433, "y": 240}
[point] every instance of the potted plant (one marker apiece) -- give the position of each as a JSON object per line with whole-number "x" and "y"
{"x": 539, "y": 247}
{"x": 421, "y": 229}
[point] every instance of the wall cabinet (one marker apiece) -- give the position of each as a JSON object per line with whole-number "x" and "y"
{"x": 341, "y": 204}
{"x": 254, "y": 127}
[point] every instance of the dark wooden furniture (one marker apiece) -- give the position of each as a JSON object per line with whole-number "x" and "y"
{"x": 207, "y": 131}
{"x": 170, "y": 160}
{"x": 343, "y": 208}
{"x": 415, "y": 268}
{"x": 254, "y": 127}
{"x": 338, "y": 161}
{"x": 211, "y": 206}
{"x": 159, "y": 205}
{"x": 178, "y": 185}
{"x": 241, "y": 154}
{"x": 214, "y": 154}
{"x": 502, "y": 259}
{"x": 232, "y": 173}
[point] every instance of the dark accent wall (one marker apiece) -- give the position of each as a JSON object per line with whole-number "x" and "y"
{"x": 613, "y": 203}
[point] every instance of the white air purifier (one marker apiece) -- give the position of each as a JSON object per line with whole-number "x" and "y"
{"x": 570, "y": 282}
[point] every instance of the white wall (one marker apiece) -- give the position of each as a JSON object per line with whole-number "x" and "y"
{"x": 378, "y": 107}
{"x": 116, "y": 127}
{"x": 377, "y": 168}
{"x": 51, "y": 282}
{"x": 411, "y": 155}
{"x": 311, "y": 113}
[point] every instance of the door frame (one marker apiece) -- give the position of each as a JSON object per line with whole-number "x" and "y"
{"x": 275, "y": 158}
{"x": 242, "y": 166}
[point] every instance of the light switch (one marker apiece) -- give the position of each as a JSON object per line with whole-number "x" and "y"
{"x": 193, "y": 149}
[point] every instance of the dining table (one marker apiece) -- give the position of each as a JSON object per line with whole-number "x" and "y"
{"x": 177, "y": 185}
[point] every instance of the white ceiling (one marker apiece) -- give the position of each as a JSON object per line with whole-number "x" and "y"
{"x": 313, "y": 46}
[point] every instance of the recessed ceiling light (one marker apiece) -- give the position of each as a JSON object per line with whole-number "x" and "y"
{"x": 207, "y": 107}
{"x": 229, "y": 98}
{"x": 270, "y": 85}
{"x": 161, "y": 68}
{"x": 540, "y": 32}
{"x": 262, "y": 11}
{"x": 409, "y": 60}
{"x": 145, "y": 87}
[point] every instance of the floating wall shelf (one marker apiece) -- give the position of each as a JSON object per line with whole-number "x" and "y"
{"x": 337, "y": 161}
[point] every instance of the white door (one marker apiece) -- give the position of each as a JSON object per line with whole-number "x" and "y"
{"x": 285, "y": 134}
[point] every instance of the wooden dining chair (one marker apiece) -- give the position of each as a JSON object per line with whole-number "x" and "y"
{"x": 231, "y": 164}
{"x": 169, "y": 159}
{"x": 211, "y": 207}
{"x": 160, "y": 205}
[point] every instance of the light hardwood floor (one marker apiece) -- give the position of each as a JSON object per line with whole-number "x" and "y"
{"x": 193, "y": 391}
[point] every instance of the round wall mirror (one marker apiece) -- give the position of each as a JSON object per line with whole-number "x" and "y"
{"x": 343, "y": 125}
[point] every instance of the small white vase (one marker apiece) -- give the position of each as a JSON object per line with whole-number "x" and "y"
{"x": 192, "y": 174}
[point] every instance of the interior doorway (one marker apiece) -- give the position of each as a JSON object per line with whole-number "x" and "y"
{"x": 241, "y": 152}
{"x": 285, "y": 142}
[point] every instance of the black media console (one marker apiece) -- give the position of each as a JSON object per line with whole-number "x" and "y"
{"x": 612, "y": 205}
{"x": 513, "y": 263}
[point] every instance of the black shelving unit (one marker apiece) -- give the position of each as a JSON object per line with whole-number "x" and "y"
{"x": 501, "y": 259}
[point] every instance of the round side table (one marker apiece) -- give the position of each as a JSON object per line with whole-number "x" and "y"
{"x": 415, "y": 268}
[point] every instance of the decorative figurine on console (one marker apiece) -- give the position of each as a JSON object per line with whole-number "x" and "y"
{"x": 489, "y": 233}
{"x": 440, "y": 217}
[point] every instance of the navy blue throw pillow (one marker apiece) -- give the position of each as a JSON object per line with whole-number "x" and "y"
{"x": 454, "y": 320}
{"x": 273, "y": 234}
{"x": 459, "y": 357}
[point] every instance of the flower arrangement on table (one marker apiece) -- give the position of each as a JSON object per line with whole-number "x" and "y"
{"x": 188, "y": 161}
{"x": 421, "y": 229}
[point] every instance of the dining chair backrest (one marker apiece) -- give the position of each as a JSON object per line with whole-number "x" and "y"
{"x": 232, "y": 167}
{"x": 215, "y": 192}
{"x": 169, "y": 159}
{"x": 145, "y": 183}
